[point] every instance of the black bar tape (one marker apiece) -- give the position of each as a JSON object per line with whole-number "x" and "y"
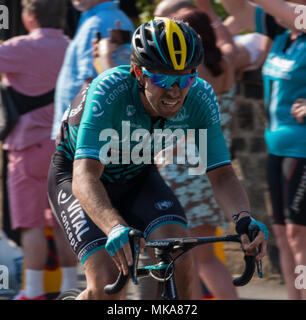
{"x": 242, "y": 225}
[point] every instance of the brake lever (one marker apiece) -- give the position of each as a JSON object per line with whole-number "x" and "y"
{"x": 134, "y": 236}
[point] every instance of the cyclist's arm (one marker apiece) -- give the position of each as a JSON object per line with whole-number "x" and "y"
{"x": 232, "y": 198}
{"x": 228, "y": 191}
{"x": 242, "y": 15}
{"x": 87, "y": 187}
{"x": 89, "y": 190}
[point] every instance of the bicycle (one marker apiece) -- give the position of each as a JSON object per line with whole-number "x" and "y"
{"x": 163, "y": 270}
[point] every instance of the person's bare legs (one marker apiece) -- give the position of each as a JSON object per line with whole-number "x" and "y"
{"x": 197, "y": 283}
{"x": 67, "y": 260}
{"x": 211, "y": 270}
{"x": 34, "y": 245}
{"x": 286, "y": 260}
{"x": 184, "y": 270}
{"x": 66, "y": 257}
{"x": 297, "y": 238}
{"x": 100, "y": 270}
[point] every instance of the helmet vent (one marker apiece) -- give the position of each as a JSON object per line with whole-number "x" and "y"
{"x": 138, "y": 43}
{"x": 178, "y": 58}
{"x": 176, "y": 42}
{"x": 148, "y": 34}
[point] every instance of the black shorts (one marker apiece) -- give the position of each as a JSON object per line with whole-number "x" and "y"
{"x": 145, "y": 202}
{"x": 287, "y": 186}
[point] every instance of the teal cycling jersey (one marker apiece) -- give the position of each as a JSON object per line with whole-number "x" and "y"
{"x": 284, "y": 74}
{"x": 108, "y": 123}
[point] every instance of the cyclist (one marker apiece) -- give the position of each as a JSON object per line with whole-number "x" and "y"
{"x": 98, "y": 193}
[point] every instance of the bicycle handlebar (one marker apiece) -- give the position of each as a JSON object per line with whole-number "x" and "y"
{"x": 249, "y": 261}
{"x": 184, "y": 244}
{"x": 122, "y": 279}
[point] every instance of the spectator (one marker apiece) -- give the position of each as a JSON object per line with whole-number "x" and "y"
{"x": 30, "y": 64}
{"x": 78, "y": 68}
{"x": 284, "y": 74}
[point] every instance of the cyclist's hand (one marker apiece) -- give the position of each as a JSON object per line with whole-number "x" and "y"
{"x": 260, "y": 240}
{"x": 118, "y": 247}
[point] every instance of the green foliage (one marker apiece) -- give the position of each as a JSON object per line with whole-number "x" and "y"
{"x": 146, "y": 9}
{"x": 218, "y": 8}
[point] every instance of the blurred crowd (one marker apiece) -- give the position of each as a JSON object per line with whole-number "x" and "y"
{"x": 55, "y": 48}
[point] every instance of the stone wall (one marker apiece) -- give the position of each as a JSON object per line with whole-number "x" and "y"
{"x": 249, "y": 160}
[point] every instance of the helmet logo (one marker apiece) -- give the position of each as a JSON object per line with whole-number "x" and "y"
{"x": 178, "y": 57}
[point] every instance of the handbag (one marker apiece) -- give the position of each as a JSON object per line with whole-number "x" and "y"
{"x": 14, "y": 104}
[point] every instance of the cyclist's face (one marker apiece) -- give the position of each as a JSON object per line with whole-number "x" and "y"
{"x": 160, "y": 102}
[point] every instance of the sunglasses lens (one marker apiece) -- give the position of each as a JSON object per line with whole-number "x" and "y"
{"x": 160, "y": 81}
{"x": 167, "y": 81}
{"x": 186, "y": 81}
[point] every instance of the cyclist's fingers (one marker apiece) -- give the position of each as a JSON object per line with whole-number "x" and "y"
{"x": 122, "y": 261}
{"x": 117, "y": 262}
{"x": 260, "y": 238}
{"x": 128, "y": 254}
{"x": 142, "y": 244}
{"x": 244, "y": 241}
{"x": 263, "y": 251}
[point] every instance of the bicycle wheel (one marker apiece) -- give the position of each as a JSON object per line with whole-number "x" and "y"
{"x": 69, "y": 294}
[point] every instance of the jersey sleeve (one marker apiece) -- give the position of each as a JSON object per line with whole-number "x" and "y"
{"x": 266, "y": 24}
{"x": 96, "y": 120}
{"x": 217, "y": 153}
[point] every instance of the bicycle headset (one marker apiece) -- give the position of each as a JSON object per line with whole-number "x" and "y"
{"x": 166, "y": 44}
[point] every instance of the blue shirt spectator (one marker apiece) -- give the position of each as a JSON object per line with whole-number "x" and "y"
{"x": 78, "y": 63}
